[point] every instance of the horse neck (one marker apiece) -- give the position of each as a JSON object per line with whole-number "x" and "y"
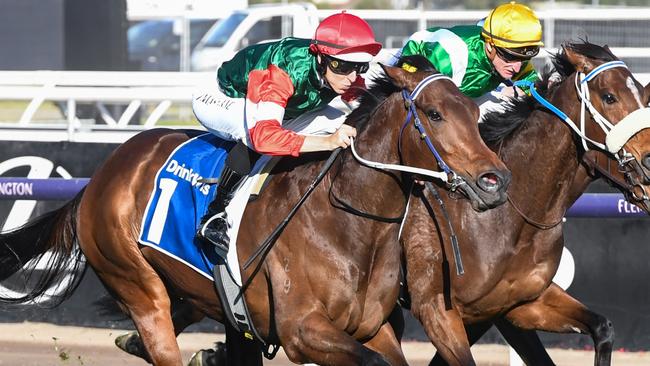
{"x": 543, "y": 158}
{"x": 368, "y": 188}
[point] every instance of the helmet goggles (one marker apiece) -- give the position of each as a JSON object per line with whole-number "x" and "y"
{"x": 342, "y": 67}
{"x": 519, "y": 54}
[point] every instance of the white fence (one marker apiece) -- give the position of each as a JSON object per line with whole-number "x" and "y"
{"x": 131, "y": 89}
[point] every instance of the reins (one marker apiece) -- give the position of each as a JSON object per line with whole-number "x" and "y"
{"x": 537, "y": 224}
{"x": 460, "y": 269}
{"x": 263, "y": 250}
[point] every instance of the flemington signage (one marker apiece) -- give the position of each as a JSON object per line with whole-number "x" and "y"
{"x": 16, "y": 189}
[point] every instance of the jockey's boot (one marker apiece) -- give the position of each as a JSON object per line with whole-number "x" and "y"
{"x": 215, "y": 224}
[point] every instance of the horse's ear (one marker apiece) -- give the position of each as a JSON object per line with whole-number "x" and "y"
{"x": 646, "y": 91}
{"x": 581, "y": 62}
{"x": 399, "y": 76}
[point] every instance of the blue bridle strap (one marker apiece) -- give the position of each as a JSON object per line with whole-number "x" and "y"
{"x": 601, "y": 68}
{"x": 409, "y": 101}
{"x": 531, "y": 85}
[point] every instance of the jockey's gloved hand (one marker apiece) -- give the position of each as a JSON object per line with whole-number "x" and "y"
{"x": 512, "y": 92}
{"x": 341, "y": 138}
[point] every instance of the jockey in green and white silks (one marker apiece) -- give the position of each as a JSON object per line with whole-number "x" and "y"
{"x": 479, "y": 58}
{"x": 267, "y": 86}
{"x": 459, "y": 52}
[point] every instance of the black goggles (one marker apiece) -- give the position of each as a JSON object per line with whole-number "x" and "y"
{"x": 517, "y": 54}
{"x": 345, "y": 67}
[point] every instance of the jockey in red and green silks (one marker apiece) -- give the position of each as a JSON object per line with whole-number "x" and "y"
{"x": 263, "y": 86}
{"x": 480, "y": 58}
{"x": 280, "y": 80}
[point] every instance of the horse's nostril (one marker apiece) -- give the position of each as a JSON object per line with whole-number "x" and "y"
{"x": 646, "y": 161}
{"x": 489, "y": 182}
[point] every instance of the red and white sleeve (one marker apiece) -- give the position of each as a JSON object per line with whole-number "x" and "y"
{"x": 267, "y": 96}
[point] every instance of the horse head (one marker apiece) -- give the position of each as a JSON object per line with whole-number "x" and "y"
{"x": 614, "y": 118}
{"x": 440, "y": 110}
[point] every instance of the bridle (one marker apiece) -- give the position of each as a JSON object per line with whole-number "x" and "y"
{"x": 616, "y": 135}
{"x": 447, "y": 175}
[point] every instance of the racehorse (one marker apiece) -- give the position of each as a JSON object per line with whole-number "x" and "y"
{"x": 329, "y": 283}
{"x": 512, "y": 252}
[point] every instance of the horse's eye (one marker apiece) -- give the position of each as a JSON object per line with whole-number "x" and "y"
{"x": 434, "y": 115}
{"x": 608, "y": 98}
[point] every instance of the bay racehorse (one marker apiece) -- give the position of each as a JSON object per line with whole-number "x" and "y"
{"x": 512, "y": 252}
{"x": 331, "y": 280}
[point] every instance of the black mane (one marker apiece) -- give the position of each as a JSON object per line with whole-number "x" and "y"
{"x": 383, "y": 88}
{"x": 498, "y": 125}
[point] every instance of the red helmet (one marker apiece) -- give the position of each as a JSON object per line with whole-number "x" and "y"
{"x": 346, "y": 37}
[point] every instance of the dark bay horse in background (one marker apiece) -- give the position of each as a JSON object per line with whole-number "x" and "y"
{"x": 512, "y": 252}
{"x": 330, "y": 281}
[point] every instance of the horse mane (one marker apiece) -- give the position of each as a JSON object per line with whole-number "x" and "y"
{"x": 382, "y": 88}
{"x": 498, "y": 125}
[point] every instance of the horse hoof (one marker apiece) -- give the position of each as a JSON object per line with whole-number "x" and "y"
{"x": 209, "y": 357}
{"x": 132, "y": 344}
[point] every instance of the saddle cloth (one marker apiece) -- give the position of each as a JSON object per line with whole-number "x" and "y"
{"x": 178, "y": 201}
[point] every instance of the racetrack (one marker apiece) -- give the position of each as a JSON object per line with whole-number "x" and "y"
{"x": 38, "y": 344}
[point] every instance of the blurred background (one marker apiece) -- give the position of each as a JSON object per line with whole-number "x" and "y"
{"x": 79, "y": 77}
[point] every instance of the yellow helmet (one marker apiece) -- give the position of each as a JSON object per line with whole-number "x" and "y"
{"x": 514, "y": 27}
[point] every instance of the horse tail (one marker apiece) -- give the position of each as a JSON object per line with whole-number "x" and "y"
{"x": 55, "y": 233}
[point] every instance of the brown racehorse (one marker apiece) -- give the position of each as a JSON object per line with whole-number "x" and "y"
{"x": 330, "y": 281}
{"x": 511, "y": 253}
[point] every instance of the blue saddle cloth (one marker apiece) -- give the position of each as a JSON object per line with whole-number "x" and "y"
{"x": 178, "y": 201}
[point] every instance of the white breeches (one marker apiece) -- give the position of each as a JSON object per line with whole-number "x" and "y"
{"x": 219, "y": 113}
{"x": 225, "y": 116}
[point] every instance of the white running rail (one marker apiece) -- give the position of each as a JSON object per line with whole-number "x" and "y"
{"x": 133, "y": 89}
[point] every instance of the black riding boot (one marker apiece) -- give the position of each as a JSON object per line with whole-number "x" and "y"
{"x": 215, "y": 225}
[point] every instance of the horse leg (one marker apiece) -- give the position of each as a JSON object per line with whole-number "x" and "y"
{"x": 556, "y": 311}
{"x": 474, "y": 333}
{"x": 140, "y": 290}
{"x": 184, "y": 315}
{"x": 145, "y": 298}
{"x": 386, "y": 343}
{"x": 525, "y": 342}
{"x": 446, "y": 331}
{"x": 314, "y": 339}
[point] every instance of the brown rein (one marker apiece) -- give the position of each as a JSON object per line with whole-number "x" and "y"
{"x": 535, "y": 223}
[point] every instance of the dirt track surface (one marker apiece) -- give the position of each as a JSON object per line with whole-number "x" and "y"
{"x": 39, "y": 344}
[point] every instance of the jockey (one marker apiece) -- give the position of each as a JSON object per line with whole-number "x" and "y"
{"x": 480, "y": 57}
{"x": 266, "y": 84}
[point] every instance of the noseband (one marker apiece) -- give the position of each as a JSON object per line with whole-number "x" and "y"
{"x": 616, "y": 135}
